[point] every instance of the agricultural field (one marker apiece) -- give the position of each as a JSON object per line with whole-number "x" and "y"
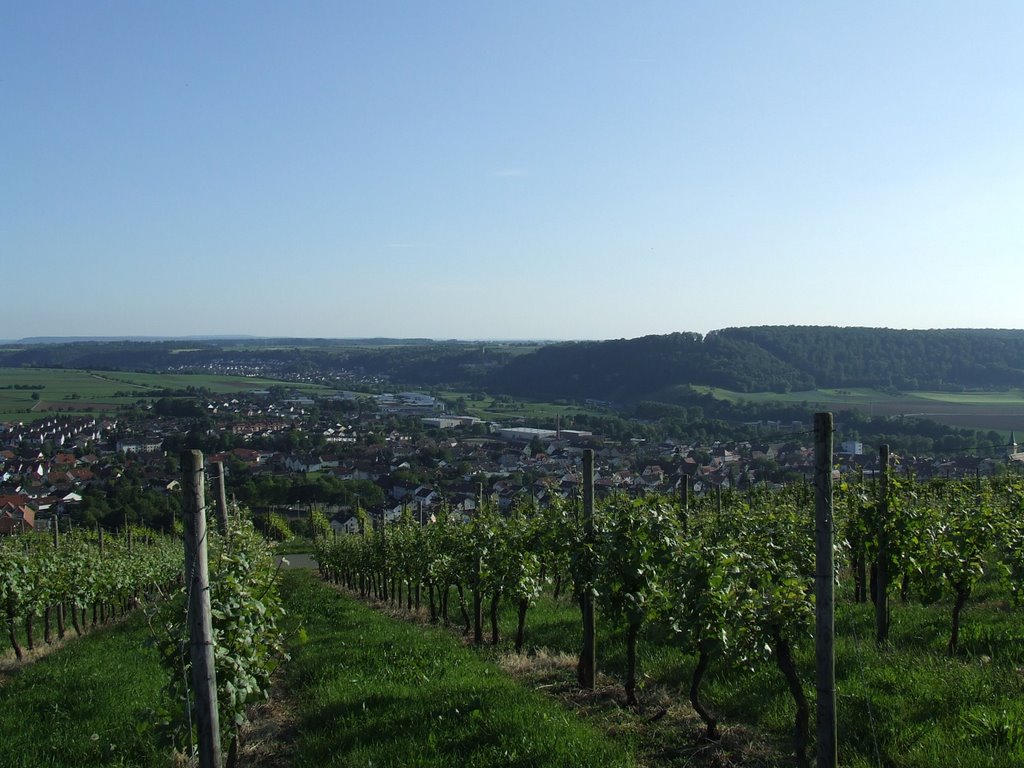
{"x": 355, "y": 673}
{"x": 376, "y": 681}
{"x": 716, "y": 597}
{"x": 33, "y": 393}
{"x": 509, "y": 409}
{"x": 908, "y": 704}
{"x": 1001, "y": 411}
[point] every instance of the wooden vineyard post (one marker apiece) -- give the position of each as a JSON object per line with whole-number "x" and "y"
{"x": 97, "y": 607}
{"x": 478, "y": 606}
{"x": 385, "y": 590}
{"x": 882, "y": 560}
{"x": 587, "y": 671}
{"x": 204, "y": 676}
{"x": 684, "y": 500}
{"x": 221, "y": 496}
{"x": 60, "y": 598}
{"x": 824, "y": 587}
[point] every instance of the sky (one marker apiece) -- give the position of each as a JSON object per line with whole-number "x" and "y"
{"x": 526, "y": 170}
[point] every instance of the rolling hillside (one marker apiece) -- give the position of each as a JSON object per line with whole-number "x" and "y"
{"x": 777, "y": 359}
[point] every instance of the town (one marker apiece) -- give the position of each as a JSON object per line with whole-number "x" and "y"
{"x": 290, "y": 451}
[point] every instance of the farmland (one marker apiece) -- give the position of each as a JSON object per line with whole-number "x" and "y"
{"x": 998, "y": 410}
{"x": 369, "y": 688}
{"x": 33, "y": 393}
{"x": 491, "y": 408}
{"x": 727, "y": 582}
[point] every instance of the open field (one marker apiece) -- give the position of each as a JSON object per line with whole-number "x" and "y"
{"x": 95, "y": 392}
{"x": 529, "y": 412}
{"x": 1000, "y": 411}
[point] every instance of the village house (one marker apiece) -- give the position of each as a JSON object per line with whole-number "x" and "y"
{"x": 15, "y": 519}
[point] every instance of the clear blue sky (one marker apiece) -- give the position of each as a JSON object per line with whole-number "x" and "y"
{"x": 508, "y": 170}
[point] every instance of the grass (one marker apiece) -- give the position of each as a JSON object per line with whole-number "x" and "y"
{"x": 531, "y": 412}
{"x": 370, "y": 689}
{"x": 908, "y": 704}
{"x": 81, "y": 392}
{"x": 294, "y": 545}
{"x": 1002, "y": 411}
{"x": 861, "y": 397}
{"x": 375, "y": 691}
{"x": 86, "y": 704}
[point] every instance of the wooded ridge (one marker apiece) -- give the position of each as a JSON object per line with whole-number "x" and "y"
{"x": 750, "y": 359}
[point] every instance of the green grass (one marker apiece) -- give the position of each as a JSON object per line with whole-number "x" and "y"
{"x": 915, "y": 706}
{"x": 533, "y": 412}
{"x": 294, "y": 545}
{"x": 376, "y": 691}
{"x": 82, "y": 392}
{"x": 1013, "y": 397}
{"x": 86, "y": 704}
{"x": 861, "y": 396}
{"x": 1001, "y": 411}
{"x": 908, "y": 704}
{"x": 850, "y": 397}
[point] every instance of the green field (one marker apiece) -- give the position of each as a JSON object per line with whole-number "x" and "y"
{"x": 78, "y": 392}
{"x": 530, "y": 412}
{"x": 1001, "y": 411}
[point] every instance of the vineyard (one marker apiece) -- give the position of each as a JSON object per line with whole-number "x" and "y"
{"x": 87, "y": 579}
{"x": 79, "y": 579}
{"x": 726, "y": 581}
{"x": 710, "y": 597}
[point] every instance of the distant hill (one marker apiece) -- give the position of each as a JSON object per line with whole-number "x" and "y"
{"x": 883, "y": 357}
{"x": 635, "y": 369}
{"x": 754, "y": 359}
{"x": 32, "y": 340}
{"x": 769, "y": 358}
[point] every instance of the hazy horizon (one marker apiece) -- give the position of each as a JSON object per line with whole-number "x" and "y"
{"x": 453, "y": 339}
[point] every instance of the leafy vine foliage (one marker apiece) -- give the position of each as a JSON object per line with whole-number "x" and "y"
{"x": 248, "y": 635}
{"x": 80, "y": 576}
{"x": 731, "y": 579}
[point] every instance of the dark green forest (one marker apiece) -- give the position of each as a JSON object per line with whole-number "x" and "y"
{"x": 905, "y": 360}
{"x": 770, "y": 358}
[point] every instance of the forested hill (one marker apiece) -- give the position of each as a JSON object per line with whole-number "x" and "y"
{"x": 769, "y": 358}
{"x": 632, "y": 369}
{"x": 878, "y": 357}
{"x": 755, "y": 359}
